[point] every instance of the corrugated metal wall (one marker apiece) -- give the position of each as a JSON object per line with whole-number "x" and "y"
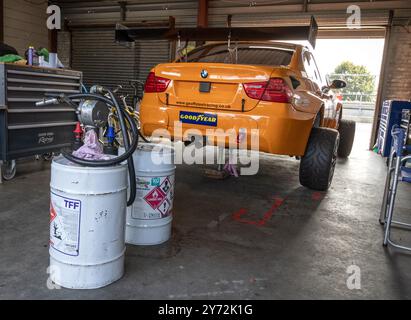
{"x": 149, "y": 54}
{"x": 106, "y": 63}
{"x": 245, "y": 14}
{"x": 102, "y": 60}
{"x": 25, "y": 24}
{"x": 185, "y": 11}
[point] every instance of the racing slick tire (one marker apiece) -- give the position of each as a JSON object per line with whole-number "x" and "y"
{"x": 318, "y": 164}
{"x": 347, "y": 134}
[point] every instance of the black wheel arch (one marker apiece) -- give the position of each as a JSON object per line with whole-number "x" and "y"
{"x": 319, "y": 118}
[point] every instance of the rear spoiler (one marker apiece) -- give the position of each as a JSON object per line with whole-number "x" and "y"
{"x": 125, "y": 34}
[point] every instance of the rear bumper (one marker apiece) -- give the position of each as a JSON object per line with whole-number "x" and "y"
{"x": 281, "y": 129}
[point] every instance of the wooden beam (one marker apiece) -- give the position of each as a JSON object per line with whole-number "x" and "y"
{"x": 1, "y": 20}
{"x": 202, "y": 17}
{"x": 53, "y": 40}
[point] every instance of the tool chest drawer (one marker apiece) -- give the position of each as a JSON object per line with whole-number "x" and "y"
{"x": 25, "y": 129}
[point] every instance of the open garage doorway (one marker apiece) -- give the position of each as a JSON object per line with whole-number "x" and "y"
{"x": 358, "y": 62}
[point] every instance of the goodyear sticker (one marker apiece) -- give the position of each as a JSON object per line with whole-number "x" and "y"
{"x": 206, "y": 119}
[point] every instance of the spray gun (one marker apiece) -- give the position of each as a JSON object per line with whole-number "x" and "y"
{"x": 100, "y": 109}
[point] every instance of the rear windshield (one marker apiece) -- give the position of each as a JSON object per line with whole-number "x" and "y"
{"x": 245, "y": 54}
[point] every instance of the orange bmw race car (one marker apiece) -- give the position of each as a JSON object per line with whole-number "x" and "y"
{"x": 274, "y": 87}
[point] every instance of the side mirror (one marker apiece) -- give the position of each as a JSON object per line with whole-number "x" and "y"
{"x": 325, "y": 89}
{"x": 338, "y": 84}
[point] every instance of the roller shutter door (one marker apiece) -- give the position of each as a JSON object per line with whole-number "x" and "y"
{"x": 104, "y": 62}
{"x": 149, "y": 54}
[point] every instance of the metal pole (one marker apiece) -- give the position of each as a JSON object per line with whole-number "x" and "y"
{"x": 392, "y": 199}
{"x": 387, "y": 189}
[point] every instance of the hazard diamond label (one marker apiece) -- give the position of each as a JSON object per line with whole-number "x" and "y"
{"x": 164, "y": 208}
{"x": 155, "y": 197}
{"x": 166, "y": 186}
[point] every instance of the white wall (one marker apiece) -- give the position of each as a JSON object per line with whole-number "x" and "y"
{"x": 25, "y": 24}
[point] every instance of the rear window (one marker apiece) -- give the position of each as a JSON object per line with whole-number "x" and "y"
{"x": 249, "y": 54}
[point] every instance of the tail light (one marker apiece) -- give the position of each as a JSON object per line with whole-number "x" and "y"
{"x": 155, "y": 83}
{"x": 273, "y": 90}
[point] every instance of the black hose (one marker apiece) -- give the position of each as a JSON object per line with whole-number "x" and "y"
{"x": 126, "y": 142}
{"x": 110, "y": 162}
{"x": 103, "y": 99}
{"x": 130, "y": 164}
{"x": 91, "y": 95}
{"x": 143, "y": 137}
{"x": 129, "y": 149}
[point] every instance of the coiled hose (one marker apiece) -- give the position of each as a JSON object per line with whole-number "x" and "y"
{"x": 123, "y": 116}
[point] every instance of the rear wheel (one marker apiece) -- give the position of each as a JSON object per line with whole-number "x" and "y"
{"x": 347, "y": 134}
{"x": 318, "y": 164}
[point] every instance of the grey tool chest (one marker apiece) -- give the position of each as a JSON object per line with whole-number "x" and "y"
{"x": 25, "y": 129}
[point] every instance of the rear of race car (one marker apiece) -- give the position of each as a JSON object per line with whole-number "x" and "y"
{"x": 209, "y": 91}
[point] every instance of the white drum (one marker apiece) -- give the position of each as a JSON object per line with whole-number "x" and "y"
{"x": 87, "y": 219}
{"x": 149, "y": 219}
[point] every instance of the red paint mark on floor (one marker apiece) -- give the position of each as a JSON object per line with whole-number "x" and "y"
{"x": 317, "y": 196}
{"x": 238, "y": 216}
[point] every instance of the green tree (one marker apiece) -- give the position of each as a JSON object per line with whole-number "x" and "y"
{"x": 360, "y": 82}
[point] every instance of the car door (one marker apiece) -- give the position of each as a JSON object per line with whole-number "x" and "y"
{"x": 318, "y": 82}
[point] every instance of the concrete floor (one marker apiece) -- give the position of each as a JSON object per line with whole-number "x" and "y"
{"x": 301, "y": 252}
